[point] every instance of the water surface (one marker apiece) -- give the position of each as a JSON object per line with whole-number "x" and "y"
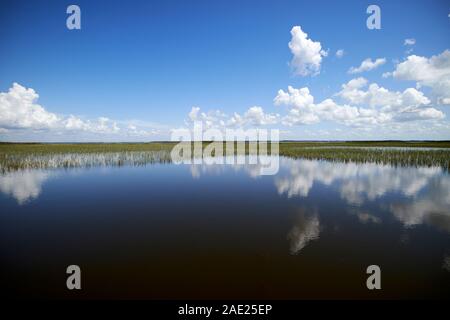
{"x": 178, "y": 231}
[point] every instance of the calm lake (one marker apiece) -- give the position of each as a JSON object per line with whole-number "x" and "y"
{"x": 165, "y": 231}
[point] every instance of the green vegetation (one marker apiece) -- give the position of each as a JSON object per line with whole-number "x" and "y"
{"x": 53, "y": 148}
{"x": 403, "y": 153}
{"x": 396, "y": 157}
{"x": 387, "y": 143}
{"x": 15, "y": 156}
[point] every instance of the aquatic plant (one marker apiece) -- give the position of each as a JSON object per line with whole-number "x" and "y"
{"x": 43, "y": 156}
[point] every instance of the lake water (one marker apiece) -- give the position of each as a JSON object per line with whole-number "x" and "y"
{"x": 182, "y": 232}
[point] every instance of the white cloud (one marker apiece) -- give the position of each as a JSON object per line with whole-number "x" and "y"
{"x": 386, "y": 106}
{"x": 298, "y": 98}
{"x": 101, "y": 125}
{"x": 212, "y": 118}
{"x": 424, "y": 69}
{"x": 20, "y": 112}
{"x": 193, "y": 114}
{"x": 374, "y": 106}
{"x": 301, "y": 104}
{"x": 431, "y": 72}
{"x": 376, "y": 96}
{"x": 367, "y": 65}
{"x": 134, "y": 131}
{"x": 303, "y": 110}
{"x": 409, "y": 42}
{"x": 254, "y": 116}
{"x": 307, "y": 53}
{"x": 359, "y": 104}
{"x": 340, "y": 53}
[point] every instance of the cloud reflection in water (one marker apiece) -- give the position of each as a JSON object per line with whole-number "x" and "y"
{"x": 424, "y": 192}
{"x": 305, "y": 229}
{"x": 23, "y": 185}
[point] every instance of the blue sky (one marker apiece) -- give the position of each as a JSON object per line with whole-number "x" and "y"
{"x": 141, "y": 66}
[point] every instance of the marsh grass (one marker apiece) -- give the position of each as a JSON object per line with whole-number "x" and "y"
{"x": 396, "y": 157}
{"x": 47, "y": 156}
{"x": 77, "y": 160}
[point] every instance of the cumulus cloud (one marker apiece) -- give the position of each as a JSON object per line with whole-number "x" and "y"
{"x": 307, "y": 54}
{"x": 301, "y": 104}
{"x": 194, "y": 114}
{"x": 100, "y": 125}
{"x": 431, "y": 72}
{"x": 372, "y": 106}
{"x": 298, "y": 98}
{"x": 367, "y": 65}
{"x": 20, "y": 111}
{"x": 376, "y": 96}
{"x": 409, "y": 42}
{"x": 303, "y": 110}
{"x": 387, "y": 106}
{"x": 254, "y": 116}
{"x": 212, "y": 118}
{"x": 134, "y": 129}
{"x": 340, "y": 53}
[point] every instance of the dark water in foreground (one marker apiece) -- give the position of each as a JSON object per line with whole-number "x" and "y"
{"x": 167, "y": 231}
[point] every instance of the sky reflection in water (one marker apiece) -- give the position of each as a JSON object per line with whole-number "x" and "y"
{"x": 316, "y": 211}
